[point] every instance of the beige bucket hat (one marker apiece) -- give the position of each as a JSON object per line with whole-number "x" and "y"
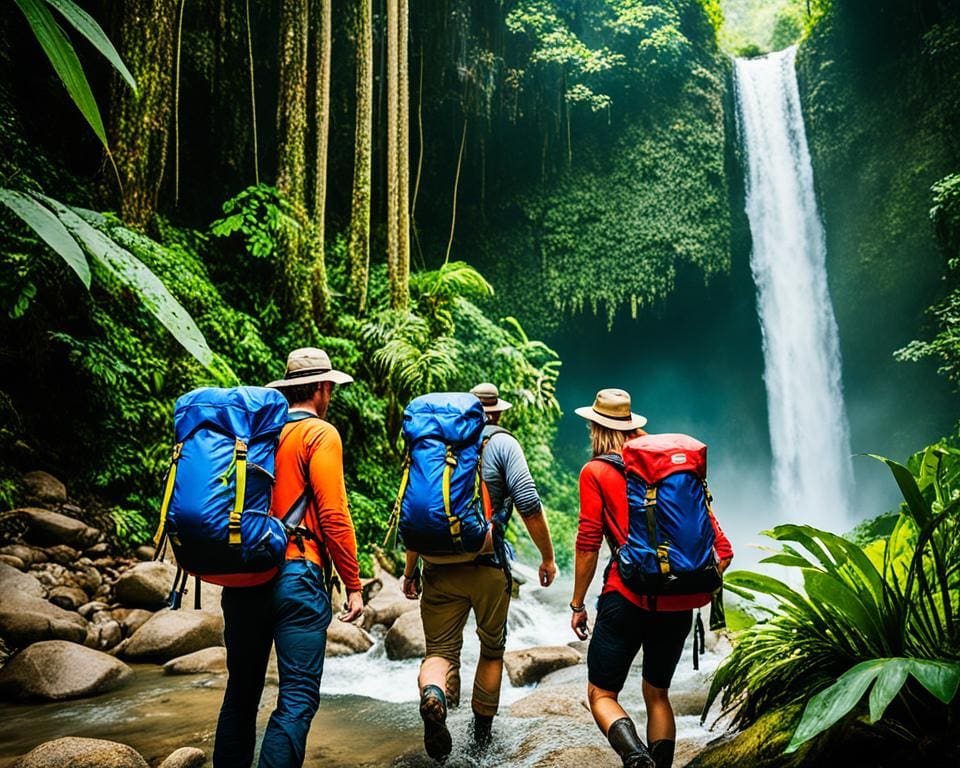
{"x": 309, "y": 365}
{"x": 489, "y": 397}
{"x": 611, "y": 409}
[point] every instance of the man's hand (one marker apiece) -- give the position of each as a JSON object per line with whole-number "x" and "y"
{"x": 548, "y": 572}
{"x": 724, "y": 564}
{"x": 411, "y": 586}
{"x": 578, "y": 623}
{"x": 353, "y": 607}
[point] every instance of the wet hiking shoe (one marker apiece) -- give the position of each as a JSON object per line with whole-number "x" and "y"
{"x": 433, "y": 711}
{"x": 622, "y": 736}
{"x": 482, "y": 733}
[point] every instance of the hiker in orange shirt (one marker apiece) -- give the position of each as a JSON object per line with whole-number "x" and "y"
{"x": 293, "y": 610}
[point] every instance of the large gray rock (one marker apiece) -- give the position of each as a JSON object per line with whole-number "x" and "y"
{"x": 344, "y": 639}
{"x": 48, "y": 528}
{"x": 185, "y": 757}
{"x": 388, "y": 604}
{"x": 567, "y": 700}
{"x": 206, "y": 661}
{"x": 74, "y": 752}
{"x": 168, "y": 634}
{"x": 13, "y": 582}
{"x": 55, "y": 670}
{"x": 405, "y": 639}
{"x": 529, "y": 665}
{"x": 145, "y": 585}
{"x": 25, "y": 619}
{"x": 42, "y": 486}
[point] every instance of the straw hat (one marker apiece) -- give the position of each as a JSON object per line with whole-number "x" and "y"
{"x": 489, "y": 397}
{"x": 611, "y": 409}
{"x": 309, "y": 365}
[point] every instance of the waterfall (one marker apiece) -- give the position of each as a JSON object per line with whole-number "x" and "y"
{"x": 809, "y": 436}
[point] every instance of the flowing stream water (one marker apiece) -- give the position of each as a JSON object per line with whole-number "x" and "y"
{"x": 809, "y": 436}
{"x": 368, "y": 714}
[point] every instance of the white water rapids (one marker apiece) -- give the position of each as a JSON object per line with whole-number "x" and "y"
{"x": 809, "y": 436}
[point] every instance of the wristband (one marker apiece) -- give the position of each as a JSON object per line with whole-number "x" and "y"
{"x": 578, "y": 608}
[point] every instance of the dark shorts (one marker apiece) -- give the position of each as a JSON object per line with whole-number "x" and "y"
{"x": 622, "y": 629}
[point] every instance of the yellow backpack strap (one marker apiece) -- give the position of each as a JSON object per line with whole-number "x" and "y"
{"x": 240, "y": 456}
{"x": 452, "y": 520}
{"x": 663, "y": 558}
{"x": 390, "y": 539}
{"x": 167, "y": 494}
{"x": 650, "y": 506}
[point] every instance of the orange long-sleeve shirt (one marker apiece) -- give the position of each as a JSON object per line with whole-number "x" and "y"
{"x": 603, "y": 512}
{"x": 314, "y": 445}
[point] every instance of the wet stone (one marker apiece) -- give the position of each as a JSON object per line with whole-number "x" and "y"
{"x": 42, "y": 486}
{"x": 55, "y": 670}
{"x": 68, "y": 598}
{"x": 185, "y": 757}
{"x": 74, "y": 752}
{"x": 21, "y": 551}
{"x": 63, "y": 554}
{"x": 14, "y": 562}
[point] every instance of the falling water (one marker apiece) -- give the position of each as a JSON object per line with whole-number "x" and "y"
{"x": 808, "y": 424}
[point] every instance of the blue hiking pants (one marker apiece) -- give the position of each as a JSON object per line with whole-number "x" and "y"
{"x": 294, "y": 612}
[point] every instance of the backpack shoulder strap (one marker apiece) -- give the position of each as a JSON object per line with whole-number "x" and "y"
{"x": 613, "y": 459}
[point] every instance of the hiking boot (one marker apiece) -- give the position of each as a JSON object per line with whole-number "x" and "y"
{"x": 433, "y": 711}
{"x": 662, "y": 752}
{"x": 622, "y": 736}
{"x": 482, "y": 732}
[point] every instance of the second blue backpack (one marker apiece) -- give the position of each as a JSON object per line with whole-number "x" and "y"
{"x": 440, "y": 506}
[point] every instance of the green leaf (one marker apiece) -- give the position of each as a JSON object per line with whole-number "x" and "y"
{"x": 50, "y": 229}
{"x": 892, "y": 676}
{"x": 87, "y": 26}
{"x": 908, "y": 487}
{"x": 830, "y": 705}
{"x": 129, "y": 270}
{"x": 64, "y": 60}
{"x": 941, "y": 678}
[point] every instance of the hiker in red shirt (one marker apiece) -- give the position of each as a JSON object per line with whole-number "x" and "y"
{"x": 626, "y": 621}
{"x": 292, "y": 611}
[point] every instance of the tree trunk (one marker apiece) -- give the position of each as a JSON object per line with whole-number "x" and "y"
{"x": 403, "y": 159}
{"x": 140, "y": 124}
{"x": 292, "y": 150}
{"x": 323, "y": 40}
{"x": 393, "y": 185}
{"x": 359, "y": 240}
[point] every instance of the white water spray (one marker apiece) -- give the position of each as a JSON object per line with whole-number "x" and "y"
{"x": 809, "y": 436}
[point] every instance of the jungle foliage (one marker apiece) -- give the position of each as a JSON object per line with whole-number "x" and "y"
{"x": 884, "y": 617}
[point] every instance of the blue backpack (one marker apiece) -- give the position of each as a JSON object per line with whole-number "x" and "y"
{"x": 216, "y": 501}
{"x": 670, "y": 541}
{"x": 440, "y": 509}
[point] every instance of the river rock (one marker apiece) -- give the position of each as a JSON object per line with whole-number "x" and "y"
{"x": 13, "y": 562}
{"x": 145, "y": 552}
{"x": 68, "y": 598}
{"x": 577, "y": 757}
{"x": 87, "y": 610}
{"x": 103, "y": 635}
{"x": 21, "y": 551}
{"x": 48, "y": 528}
{"x": 145, "y": 585}
{"x": 185, "y": 757}
{"x": 405, "y": 639}
{"x": 762, "y": 745}
{"x": 573, "y": 674}
{"x": 388, "y": 603}
{"x": 13, "y": 582}
{"x": 63, "y": 554}
{"x": 208, "y": 660}
{"x": 42, "y": 486}
{"x": 25, "y": 619}
{"x": 55, "y": 669}
{"x": 97, "y": 551}
{"x": 168, "y": 634}
{"x": 567, "y": 700}
{"x": 74, "y": 752}
{"x": 131, "y": 619}
{"x": 344, "y": 639}
{"x": 529, "y": 665}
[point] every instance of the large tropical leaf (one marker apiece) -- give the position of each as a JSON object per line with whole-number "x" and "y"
{"x": 828, "y": 707}
{"x": 908, "y": 487}
{"x": 129, "y": 270}
{"x": 50, "y": 229}
{"x": 87, "y": 26}
{"x": 64, "y": 60}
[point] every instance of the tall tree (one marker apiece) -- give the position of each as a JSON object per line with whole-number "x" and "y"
{"x": 359, "y": 240}
{"x": 403, "y": 157}
{"x": 292, "y": 144}
{"x": 322, "y": 42}
{"x": 393, "y": 181}
{"x": 140, "y": 123}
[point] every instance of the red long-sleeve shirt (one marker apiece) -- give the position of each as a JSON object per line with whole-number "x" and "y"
{"x": 603, "y": 512}
{"x": 316, "y": 445}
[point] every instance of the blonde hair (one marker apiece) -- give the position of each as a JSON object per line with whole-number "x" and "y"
{"x": 605, "y": 440}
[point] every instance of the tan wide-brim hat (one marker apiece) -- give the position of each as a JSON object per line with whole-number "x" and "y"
{"x": 489, "y": 397}
{"x": 309, "y": 365}
{"x": 611, "y": 409}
